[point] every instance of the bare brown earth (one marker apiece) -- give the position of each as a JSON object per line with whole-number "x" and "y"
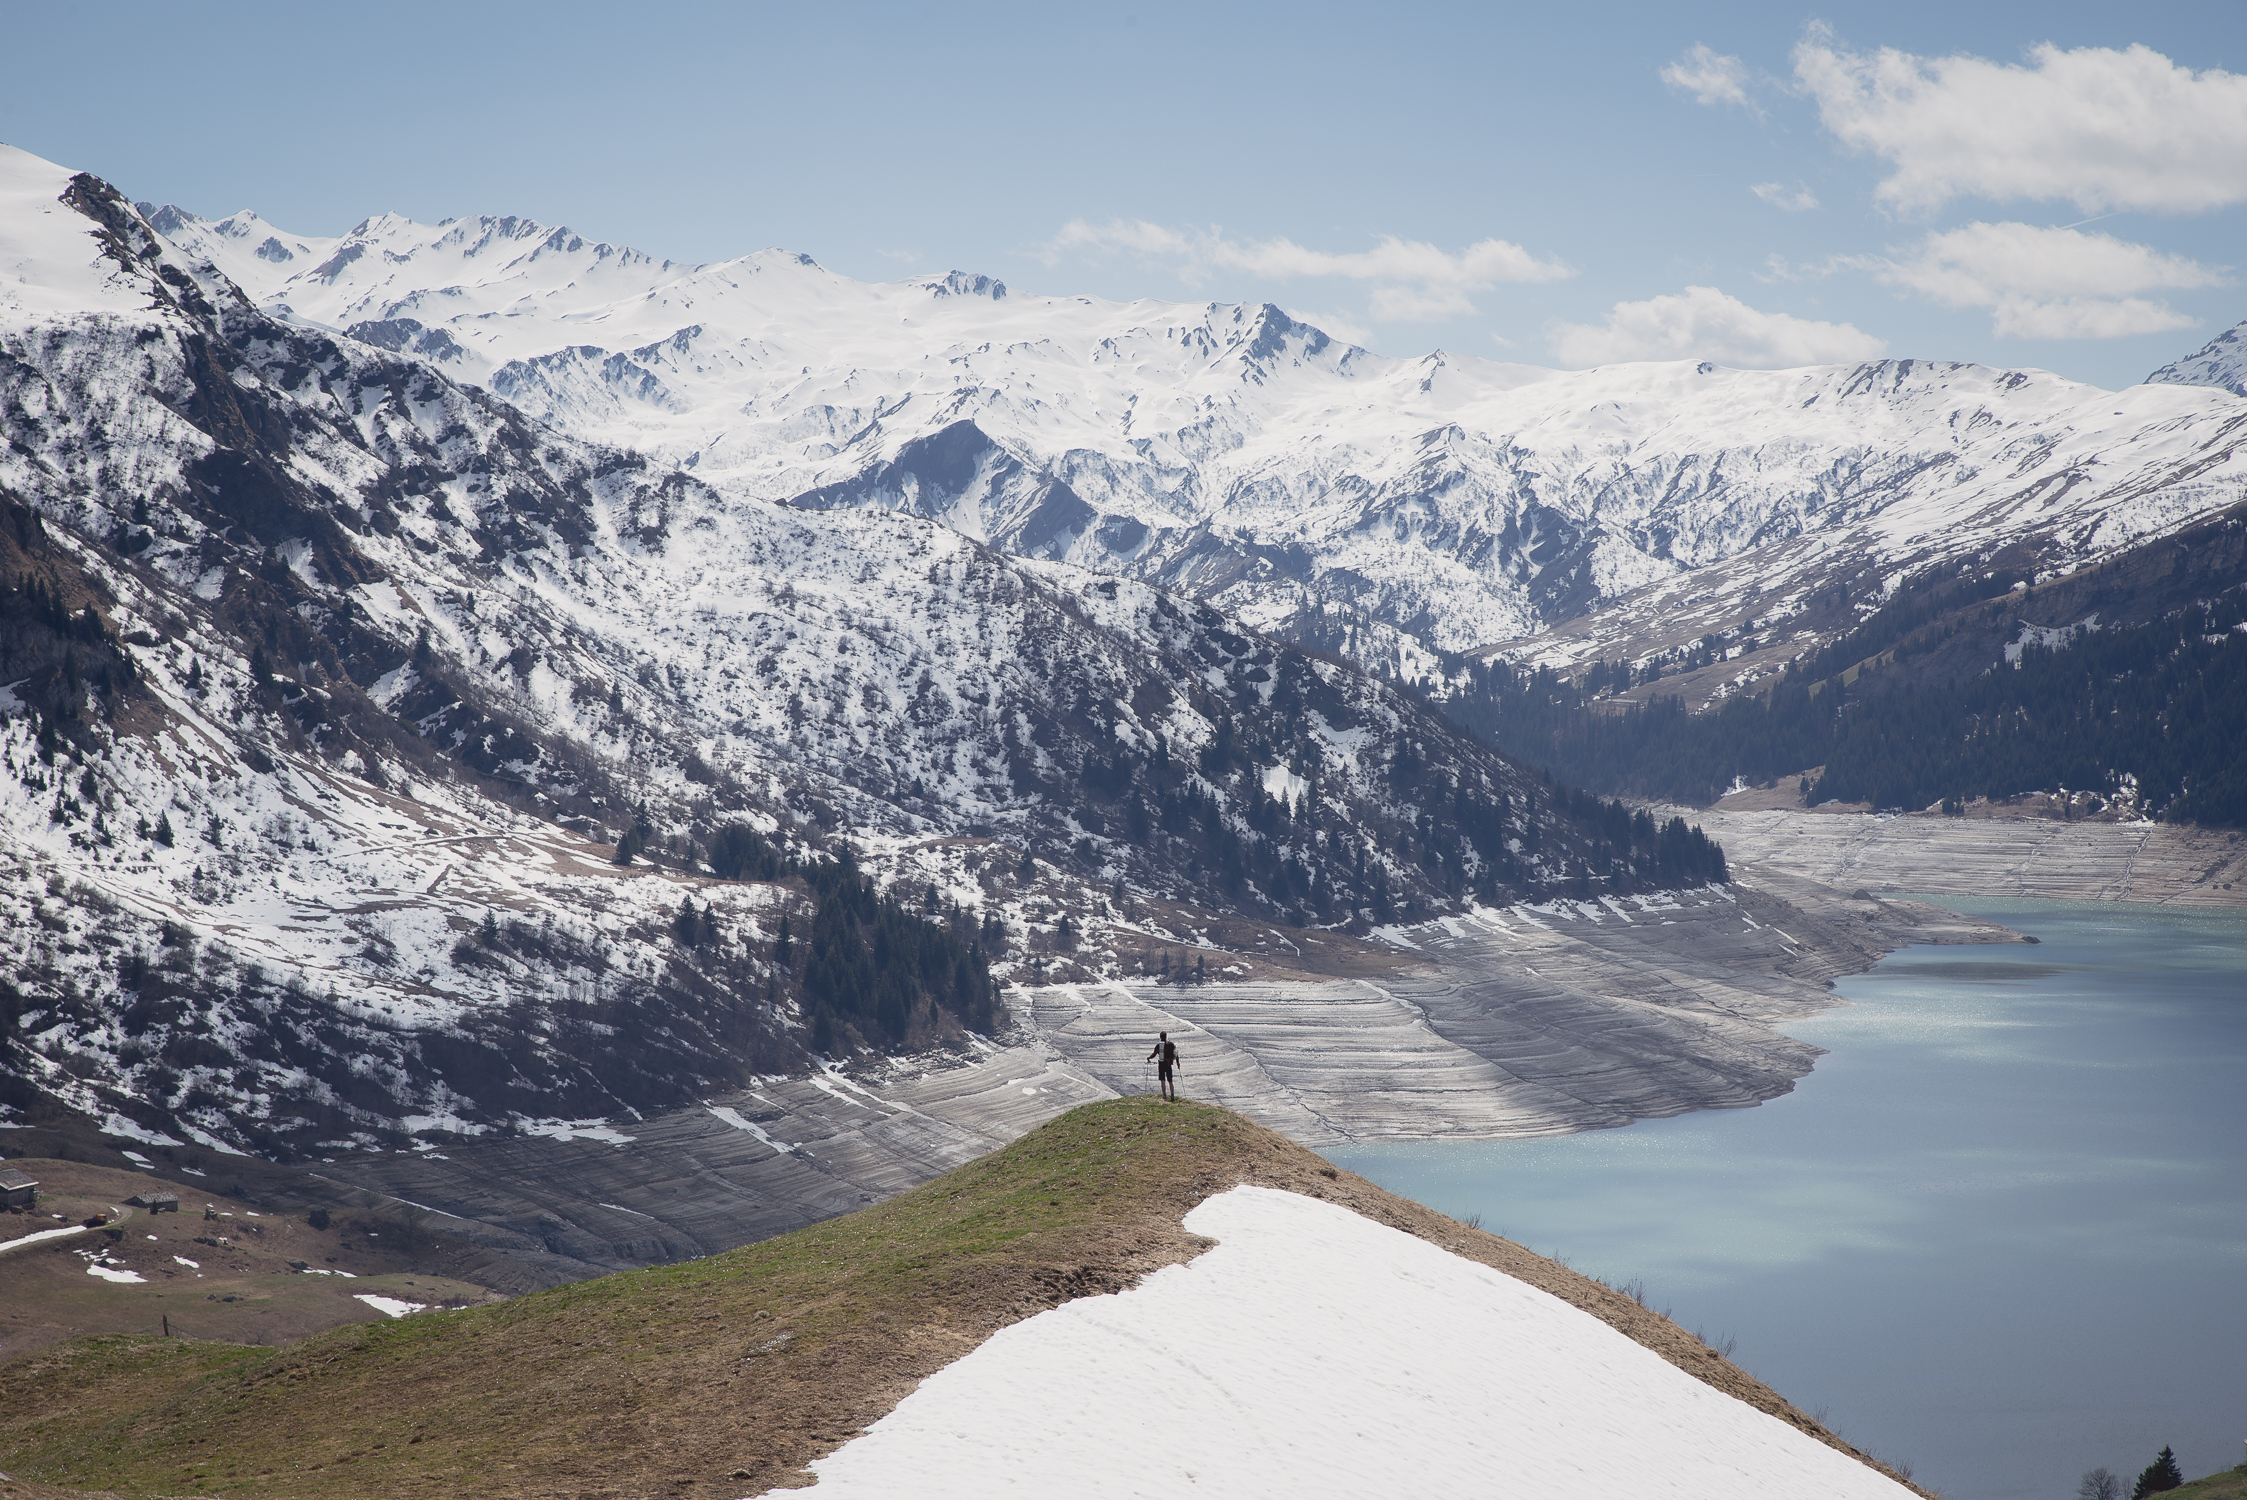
{"x": 12, "y": 1488}
{"x": 1570, "y": 1016}
{"x": 242, "y": 1287}
{"x": 722, "y": 1376}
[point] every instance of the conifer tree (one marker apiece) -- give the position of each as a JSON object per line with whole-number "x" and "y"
{"x": 2160, "y": 1475}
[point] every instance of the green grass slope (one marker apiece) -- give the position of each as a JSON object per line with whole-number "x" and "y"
{"x": 2230, "y": 1484}
{"x": 714, "y": 1378}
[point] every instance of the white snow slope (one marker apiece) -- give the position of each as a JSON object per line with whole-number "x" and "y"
{"x": 2221, "y": 362}
{"x": 1246, "y": 457}
{"x": 1312, "y": 1353}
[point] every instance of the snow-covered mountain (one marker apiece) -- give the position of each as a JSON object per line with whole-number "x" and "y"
{"x": 333, "y": 686}
{"x": 2221, "y": 362}
{"x": 1239, "y": 455}
{"x": 337, "y": 668}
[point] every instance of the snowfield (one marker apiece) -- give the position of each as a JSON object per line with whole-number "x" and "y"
{"x": 1314, "y": 1352}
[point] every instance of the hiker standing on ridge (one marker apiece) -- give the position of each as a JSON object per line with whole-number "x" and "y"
{"x": 1165, "y": 1058}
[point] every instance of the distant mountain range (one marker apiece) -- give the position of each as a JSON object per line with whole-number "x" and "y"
{"x": 1238, "y": 455}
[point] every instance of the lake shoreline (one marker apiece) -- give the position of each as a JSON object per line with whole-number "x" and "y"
{"x": 2007, "y": 1158}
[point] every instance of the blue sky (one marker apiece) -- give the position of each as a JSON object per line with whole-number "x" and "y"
{"x": 1554, "y": 184}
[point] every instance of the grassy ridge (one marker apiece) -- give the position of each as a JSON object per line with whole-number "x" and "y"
{"x": 718, "y": 1377}
{"x": 675, "y": 1379}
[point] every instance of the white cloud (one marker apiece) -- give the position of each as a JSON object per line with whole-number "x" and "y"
{"x": 2096, "y": 127}
{"x": 1795, "y": 200}
{"x": 1426, "y": 303}
{"x": 2085, "y": 318}
{"x": 2047, "y": 283}
{"x": 1703, "y": 323}
{"x": 1710, "y": 77}
{"x": 1777, "y": 267}
{"x": 1413, "y": 281}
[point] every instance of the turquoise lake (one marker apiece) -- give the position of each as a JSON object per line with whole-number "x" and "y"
{"x": 1999, "y": 1234}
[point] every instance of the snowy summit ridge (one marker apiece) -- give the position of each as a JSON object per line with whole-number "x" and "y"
{"x": 2221, "y": 362}
{"x": 1238, "y": 454}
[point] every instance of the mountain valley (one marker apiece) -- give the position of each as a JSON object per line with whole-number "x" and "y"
{"x": 636, "y": 758}
{"x": 385, "y": 765}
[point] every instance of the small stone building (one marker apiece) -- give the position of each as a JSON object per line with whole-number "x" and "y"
{"x": 16, "y": 1189}
{"x": 156, "y": 1203}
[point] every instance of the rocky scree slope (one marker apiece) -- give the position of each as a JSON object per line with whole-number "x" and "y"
{"x": 380, "y": 760}
{"x": 1246, "y": 458}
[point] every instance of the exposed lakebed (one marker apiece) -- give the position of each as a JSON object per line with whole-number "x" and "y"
{"x": 2000, "y": 1232}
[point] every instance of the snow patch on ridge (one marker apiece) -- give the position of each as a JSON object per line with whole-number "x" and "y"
{"x": 1316, "y": 1353}
{"x": 52, "y": 263}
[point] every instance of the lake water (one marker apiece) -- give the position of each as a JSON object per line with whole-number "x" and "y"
{"x": 1999, "y": 1234}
